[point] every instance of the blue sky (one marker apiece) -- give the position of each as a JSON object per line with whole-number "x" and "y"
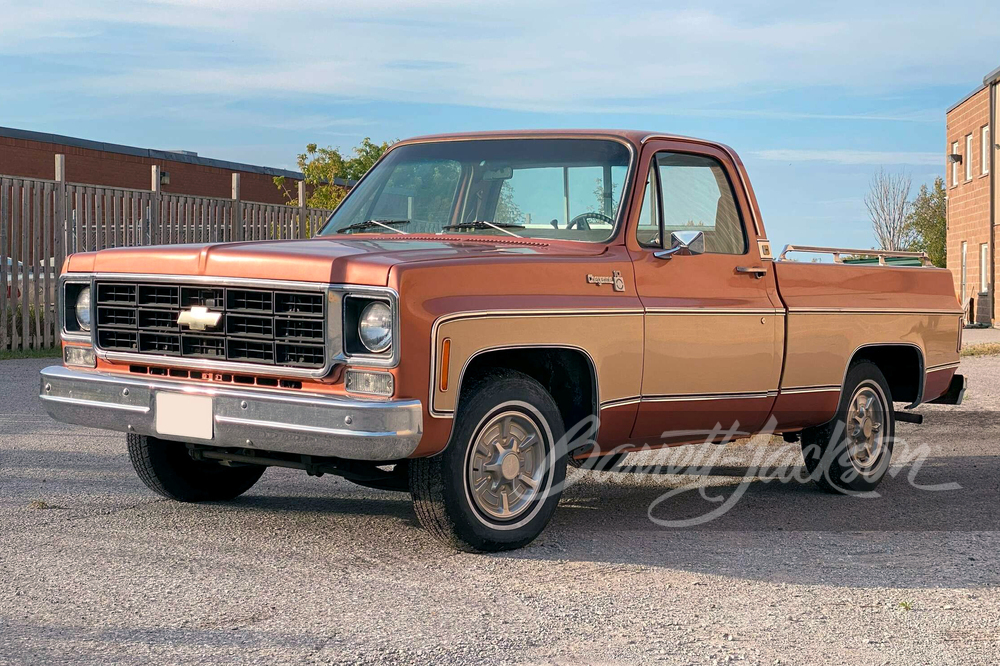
{"x": 815, "y": 96}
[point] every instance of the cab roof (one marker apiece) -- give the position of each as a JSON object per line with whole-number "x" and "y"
{"x": 635, "y": 137}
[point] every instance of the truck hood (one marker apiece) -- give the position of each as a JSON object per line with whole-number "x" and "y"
{"x": 363, "y": 260}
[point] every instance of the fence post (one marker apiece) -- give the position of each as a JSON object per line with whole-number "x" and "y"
{"x": 152, "y": 230}
{"x": 61, "y": 224}
{"x": 302, "y": 209}
{"x": 238, "y": 231}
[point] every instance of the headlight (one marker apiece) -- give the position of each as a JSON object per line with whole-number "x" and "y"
{"x": 83, "y": 309}
{"x": 375, "y": 327}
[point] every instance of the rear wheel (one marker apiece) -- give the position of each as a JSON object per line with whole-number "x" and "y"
{"x": 498, "y": 483}
{"x": 168, "y": 469}
{"x": 851, "y": 453}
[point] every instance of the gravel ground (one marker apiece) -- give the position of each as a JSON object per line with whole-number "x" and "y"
{"x": 96, "y": 569}
{"x": 975, "y": 336}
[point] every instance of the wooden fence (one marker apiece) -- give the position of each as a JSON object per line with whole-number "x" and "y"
{"x": 43, "y": 221}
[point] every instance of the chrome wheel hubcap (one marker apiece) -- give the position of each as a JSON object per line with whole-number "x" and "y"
{"x": 507, "y": 466}
{"x": 866, "y": 423}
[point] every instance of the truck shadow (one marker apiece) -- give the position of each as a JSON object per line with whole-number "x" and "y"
{"x": 790, "y": 532}
{"x": 772, "y": 504}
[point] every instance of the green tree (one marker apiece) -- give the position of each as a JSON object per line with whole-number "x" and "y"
{"x": 507, "y": 212}
{"x": 928, "y": 219}
{"x": 598, "y": 205}
{"x": 321, "y": 166}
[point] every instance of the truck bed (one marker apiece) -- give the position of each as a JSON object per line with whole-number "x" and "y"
{"x": 834, "y": 311}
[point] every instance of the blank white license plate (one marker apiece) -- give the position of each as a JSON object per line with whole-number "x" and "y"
{"x": 183, "y": 415}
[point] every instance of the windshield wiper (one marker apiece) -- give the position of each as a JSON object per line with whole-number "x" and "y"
{"x": 371, "y": 224}
{"x": 483, "y": 224}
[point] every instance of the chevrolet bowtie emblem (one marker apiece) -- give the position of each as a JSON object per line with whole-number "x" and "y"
{"x": 199, "y": 318}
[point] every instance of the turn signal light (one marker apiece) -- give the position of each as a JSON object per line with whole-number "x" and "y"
{"x": 79, "y": 356}
{"x": 370, "y": 383}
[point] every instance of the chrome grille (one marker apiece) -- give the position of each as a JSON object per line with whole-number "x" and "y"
{"x": 278, "y": 327}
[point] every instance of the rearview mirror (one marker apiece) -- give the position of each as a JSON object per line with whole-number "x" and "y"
{"x": 683, "y": 243}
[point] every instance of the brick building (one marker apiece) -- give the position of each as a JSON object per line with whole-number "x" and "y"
{"x": 27, "y": 154}
{"x": 973, "y": 196}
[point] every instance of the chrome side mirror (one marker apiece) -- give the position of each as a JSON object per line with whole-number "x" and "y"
{"x": 683, "y": 243}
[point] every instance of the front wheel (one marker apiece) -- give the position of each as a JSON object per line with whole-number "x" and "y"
{"x": 498, "y": 483}
{"x": 169, "y": 470}
{"x": 851, "y": 453}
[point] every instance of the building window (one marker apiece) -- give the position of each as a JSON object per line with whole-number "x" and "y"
{"x": 968, "y": 157}
{"x": 965, "y": 268}
{"x": 984, "y": 268}
{"x": 986, "y": 149}
{"x": 954, "y": 165}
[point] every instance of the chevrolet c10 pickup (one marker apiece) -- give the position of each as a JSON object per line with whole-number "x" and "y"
{"x": 476, "y": 298}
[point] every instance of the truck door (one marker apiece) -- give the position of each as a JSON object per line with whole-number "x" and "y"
{"x": 714, "y": 328}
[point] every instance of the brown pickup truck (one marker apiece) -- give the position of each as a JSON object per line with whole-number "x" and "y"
{"x": 477, "y": 297}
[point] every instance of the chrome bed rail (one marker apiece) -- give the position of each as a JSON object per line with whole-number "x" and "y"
{"x": 838, "y": 251}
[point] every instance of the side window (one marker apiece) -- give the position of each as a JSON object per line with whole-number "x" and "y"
{"x": 647, "y": 232}
{"x": 696, "y": 196}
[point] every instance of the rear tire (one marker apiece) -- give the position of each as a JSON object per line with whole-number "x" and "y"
{"x": 497, "y": 484}
{"x": 851, "y": 453}
{"x": 168, "y": 469}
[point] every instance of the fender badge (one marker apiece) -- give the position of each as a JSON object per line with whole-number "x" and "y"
{"x": 199, "y": 319}
{"x": 616, "y": 280}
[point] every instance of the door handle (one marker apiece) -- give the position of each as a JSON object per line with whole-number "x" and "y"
{"x": 756, "y": 271}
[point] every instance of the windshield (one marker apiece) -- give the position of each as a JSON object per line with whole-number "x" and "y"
{"x": 534, "y": 188}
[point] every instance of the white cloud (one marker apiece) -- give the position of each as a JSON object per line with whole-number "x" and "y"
{"x": 555, "y": 56}
{"x": 849, "y": 157}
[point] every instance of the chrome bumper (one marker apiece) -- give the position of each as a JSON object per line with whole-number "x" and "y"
{"x": 300, "y": 423}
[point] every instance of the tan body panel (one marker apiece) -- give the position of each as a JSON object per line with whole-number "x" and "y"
{"x": 820, "y": 344}
{"x": 616, "y": 357}
{"x": 723, "y": 352}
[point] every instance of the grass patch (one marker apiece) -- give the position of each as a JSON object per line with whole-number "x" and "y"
{"x": 982, "y": 349}
{"x": 52, "y": 352}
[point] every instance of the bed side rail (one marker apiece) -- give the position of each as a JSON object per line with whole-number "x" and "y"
{"x": 839, "y": 252}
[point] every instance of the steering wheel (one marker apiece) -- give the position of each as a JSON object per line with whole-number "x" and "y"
{"x": 582, "y": 221}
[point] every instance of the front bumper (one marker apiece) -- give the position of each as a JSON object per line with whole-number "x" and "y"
{"x": 269, "y": 420}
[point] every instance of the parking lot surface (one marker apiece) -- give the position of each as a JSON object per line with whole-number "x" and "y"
{"x": 95, "y": 569}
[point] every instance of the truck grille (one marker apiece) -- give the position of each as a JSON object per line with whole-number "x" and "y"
{"x": 261, "y": 326}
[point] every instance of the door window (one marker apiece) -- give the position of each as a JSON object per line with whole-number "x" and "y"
{"x": 695, "y": 195}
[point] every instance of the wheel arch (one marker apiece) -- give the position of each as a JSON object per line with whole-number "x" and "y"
{"x": 539, "y": 362}
{"x": 895, "y": 360}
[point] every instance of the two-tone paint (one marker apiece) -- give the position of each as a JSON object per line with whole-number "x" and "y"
{"x": 685, "y": 344}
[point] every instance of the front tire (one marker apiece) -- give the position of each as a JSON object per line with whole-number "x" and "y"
{"x": 169, "y": 470}
{"x": 851, "y": 453}
{"x": 497, "y": 484}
